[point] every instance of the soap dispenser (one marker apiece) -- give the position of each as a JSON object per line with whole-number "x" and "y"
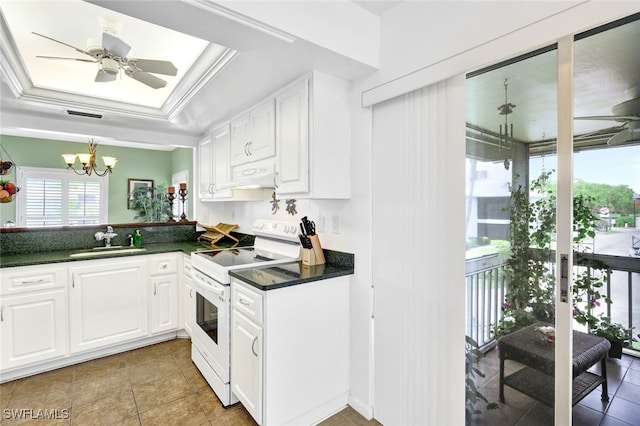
{"x": 137, "y": 239}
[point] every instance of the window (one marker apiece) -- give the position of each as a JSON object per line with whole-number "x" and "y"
{"x": 54, "y": 197}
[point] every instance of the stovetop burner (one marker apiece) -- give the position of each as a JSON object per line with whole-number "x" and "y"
{"x": 275, "y": 243}
{"x": 233, "y": 257}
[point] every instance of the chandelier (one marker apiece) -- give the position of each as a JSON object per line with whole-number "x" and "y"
{"x": 88, "y": 161}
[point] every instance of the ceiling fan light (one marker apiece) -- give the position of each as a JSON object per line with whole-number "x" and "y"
{"x": 110, "y": 162}
{"x": 69, "y": 159}
{"x": 110, "y": 66}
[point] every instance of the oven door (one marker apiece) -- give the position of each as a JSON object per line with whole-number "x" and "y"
{"x": 212, "y": 322}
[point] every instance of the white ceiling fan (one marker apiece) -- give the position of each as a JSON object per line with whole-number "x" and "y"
{"x": 628, "y": 113}
{"x": 112, "y": 57}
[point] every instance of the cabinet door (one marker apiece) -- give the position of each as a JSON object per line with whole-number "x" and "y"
{"x": 263, "y": 136}
{"x": 108, "y": 303}
{"x": 246, "y": 364}
{"x": 164, "y": 303}
{"x": 240, "y": 137}
{"x": 189, "y": 305}
{"x": 292, "y": 137}
{"x": 220, "y": 158}
{"x": 33, "y": 327}
{"x": 205, "y": 172}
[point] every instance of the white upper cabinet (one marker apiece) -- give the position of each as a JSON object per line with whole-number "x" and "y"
{"x": 313, "y": 138}
{"x": 205, "y": 169}
{"x": 302, "y": 133}
{"x": 253, "y": 134}
{"x": 292, "y": 138}
{"x": 213, "y": 162}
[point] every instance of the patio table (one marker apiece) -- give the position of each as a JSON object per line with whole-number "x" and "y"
{"x": 530, "y": 347}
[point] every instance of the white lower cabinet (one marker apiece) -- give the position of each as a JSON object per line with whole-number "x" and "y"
{"x": 246, "y": 364}
{"x": 33, "y": 328}
{"x": 108, "y": 303}
{"x": 54, "y": 315}
{"x": 188, "y": 305}
{"x": 33, "y": 315}
{"x": 164, "y": 306}
{"x": 163, "y": 292}
{"x": 290, "y": 350}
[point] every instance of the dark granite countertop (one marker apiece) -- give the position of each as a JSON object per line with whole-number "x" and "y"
{"x": 57, "y": 256}
{"x": 290, "y": 274}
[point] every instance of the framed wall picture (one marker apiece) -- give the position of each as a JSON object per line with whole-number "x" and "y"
{"x": 138, "y": 185}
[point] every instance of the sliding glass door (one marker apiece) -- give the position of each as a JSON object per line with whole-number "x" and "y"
{"x": 543, "y": 241}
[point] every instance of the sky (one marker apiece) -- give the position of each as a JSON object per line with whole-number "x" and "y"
{"x": 612, "y": 166}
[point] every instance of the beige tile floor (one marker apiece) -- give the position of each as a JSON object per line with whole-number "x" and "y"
{"x": 155, "y": 385}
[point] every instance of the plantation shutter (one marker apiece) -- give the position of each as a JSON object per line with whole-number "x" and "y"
{"x": 51, "y": 197}
{"x": 43, "y": 196}
{"x": 83, "y": 202}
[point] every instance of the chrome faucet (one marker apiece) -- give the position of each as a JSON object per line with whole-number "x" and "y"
{"x": 106, "y": 236}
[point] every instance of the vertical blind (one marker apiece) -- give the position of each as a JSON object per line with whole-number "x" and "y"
{"x": 56, "y": 197}
{"x": 418, "y": 187}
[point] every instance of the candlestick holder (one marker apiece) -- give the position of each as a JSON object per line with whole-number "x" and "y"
{"x": 183, "y": 197}
{"x": 170, "y": 197}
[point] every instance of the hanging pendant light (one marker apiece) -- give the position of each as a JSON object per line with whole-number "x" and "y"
{"x": 88, "y": 161}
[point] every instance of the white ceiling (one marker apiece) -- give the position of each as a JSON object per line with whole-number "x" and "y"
{"x": 213, "y": 81}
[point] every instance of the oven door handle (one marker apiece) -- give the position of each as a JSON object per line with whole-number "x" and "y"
{"x": 207, "y": 287}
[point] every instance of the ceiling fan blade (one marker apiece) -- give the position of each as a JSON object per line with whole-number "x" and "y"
{"x": 629, "y": 135}
{"x": 609, "y": 118}
{"x": 65, "y": 44}
{"x": 148, "y": 79}
{"x": 105, "y": 77}
{"x": 69, "y": 59}
{"x": 114, "y": 45}
{"x": 621, "y": 138}
{"x": 154, "y": 66}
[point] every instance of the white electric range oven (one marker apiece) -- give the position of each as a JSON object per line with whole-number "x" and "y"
{"x": 275, "y": 242}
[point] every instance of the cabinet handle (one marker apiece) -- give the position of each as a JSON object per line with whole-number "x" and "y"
{"x": 164, "y": 266}
{"x": 191, "y": 293}
{"x": 246, "y": 149}
{"x": 155, "y": 289}
{"x": 2, "y": 313}
{"x": 244, "y": 302}
{"x": 255, "y": 339}
{"x": 41, "y": 280}
{"x": 249, "y": 148}
{"x": 275, "y": 183}
{"x": 73, "y": 281}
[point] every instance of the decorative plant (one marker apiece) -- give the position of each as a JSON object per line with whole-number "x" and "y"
{"x": 530, "y": 297}
{"x": 150, "y": 204}
{"x": 472, "y": 394}
{"x": 589, "y": 282}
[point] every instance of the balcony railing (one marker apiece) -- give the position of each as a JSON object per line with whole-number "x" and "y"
{"x": 486, "y": 286}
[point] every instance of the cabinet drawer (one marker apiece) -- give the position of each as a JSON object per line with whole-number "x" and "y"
{"x": 248, "y": 301}
{"x": 163, "y": 265}
{"x": 29, "y": 278}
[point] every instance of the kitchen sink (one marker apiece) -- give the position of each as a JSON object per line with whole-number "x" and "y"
{"x": 100, "y": 251}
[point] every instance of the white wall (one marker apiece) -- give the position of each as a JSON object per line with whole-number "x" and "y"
{"x": 414, "y": 36}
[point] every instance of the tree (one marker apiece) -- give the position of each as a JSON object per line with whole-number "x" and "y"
{"x": 617, "y": 197}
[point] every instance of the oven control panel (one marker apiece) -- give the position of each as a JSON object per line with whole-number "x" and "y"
{"x": 276, "y": 229}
